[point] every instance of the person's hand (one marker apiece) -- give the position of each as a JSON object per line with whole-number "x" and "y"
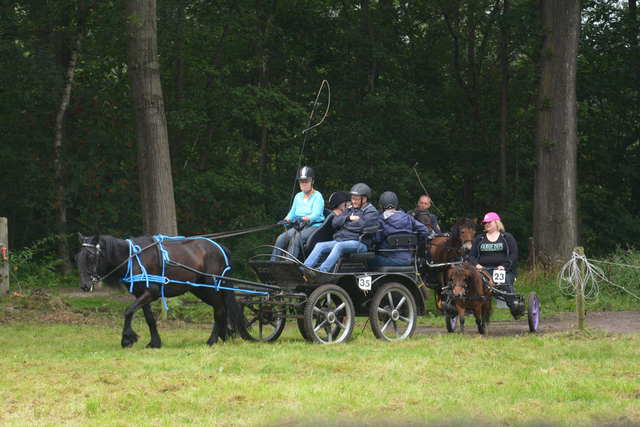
{"x": 500, "y": 267}
{"x": 282, "y": 222}
{"x": 478, "y": 266}
{"x": 296, "y": 221}
{"x": 354, "y": 217}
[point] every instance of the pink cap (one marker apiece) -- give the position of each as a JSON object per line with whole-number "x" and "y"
{"x": 490, "y": 217}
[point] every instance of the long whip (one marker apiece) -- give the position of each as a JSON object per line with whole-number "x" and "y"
{"x": 425, "y": 190}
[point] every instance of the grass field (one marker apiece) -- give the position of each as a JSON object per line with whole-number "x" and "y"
{"x": 77, "y": 374}
{"x": 62, "y": 364}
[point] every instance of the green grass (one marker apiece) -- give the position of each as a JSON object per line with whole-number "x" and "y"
{"x": 56, "y": 374}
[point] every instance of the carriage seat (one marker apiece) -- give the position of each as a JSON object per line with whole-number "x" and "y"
{"x": 401, "y": 242}
{"x": 323, "y": 233}
{"x": 363, "y": 255}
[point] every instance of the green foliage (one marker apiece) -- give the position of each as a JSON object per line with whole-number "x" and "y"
{"x": 37, "y": 266}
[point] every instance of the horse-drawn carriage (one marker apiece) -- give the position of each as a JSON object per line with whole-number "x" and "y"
{"x": 324, "y": 305}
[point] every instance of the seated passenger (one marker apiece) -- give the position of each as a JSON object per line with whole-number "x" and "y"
{"x": 349, "y": 225}
{"x": 422, "y": 214}
{"x": 395, "y": 221}
{"x": 339, "y": 201}
{"x": 498, "y": 249}
{"x": 307, "y": 213}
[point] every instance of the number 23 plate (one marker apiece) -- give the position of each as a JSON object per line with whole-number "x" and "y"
{"x": 499, "y": 276}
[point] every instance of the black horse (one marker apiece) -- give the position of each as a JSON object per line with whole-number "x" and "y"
{"x": 154, "y": 268}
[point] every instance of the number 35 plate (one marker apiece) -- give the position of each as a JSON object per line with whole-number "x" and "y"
{"x": 499, "y": 276}
{"x": 364, "y": 283}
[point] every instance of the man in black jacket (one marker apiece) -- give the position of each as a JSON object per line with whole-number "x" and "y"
{"x": 349, "y": 225}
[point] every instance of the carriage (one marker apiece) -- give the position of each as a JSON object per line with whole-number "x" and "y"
{"x": 325, "y": 305}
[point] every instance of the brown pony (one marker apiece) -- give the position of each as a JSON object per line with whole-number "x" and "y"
{"x": 446, "y": 248}
{"x": 470, "y": 293}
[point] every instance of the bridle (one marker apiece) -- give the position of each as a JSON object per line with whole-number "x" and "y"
{"x": 98, "y": 252}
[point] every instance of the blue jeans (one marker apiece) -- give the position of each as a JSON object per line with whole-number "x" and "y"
{"x": 383, "y": 261}
{"x": 286, "y": 241}
{"x": 335, "y": 250}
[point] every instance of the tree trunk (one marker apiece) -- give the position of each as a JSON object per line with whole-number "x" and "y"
{"x": 156, "y": 186}
{"x": 58, "y": 130}
{"x": 504, "y": 104}
{"x": 555, "y": 213}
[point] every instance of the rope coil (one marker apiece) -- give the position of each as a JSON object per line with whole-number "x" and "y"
{"x": 571, "y": 275}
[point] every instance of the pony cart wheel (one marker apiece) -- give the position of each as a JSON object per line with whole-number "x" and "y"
{"x": 451, "y": 322}
{"x": 329, "y": 316}
{"x": 264, "y": 323}
{"x": 533, "y": 313}
{"x": 393, "y": 313}
{"x": 303, "y": 331}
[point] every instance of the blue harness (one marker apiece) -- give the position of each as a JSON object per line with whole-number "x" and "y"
{"x": 135, "y": 250}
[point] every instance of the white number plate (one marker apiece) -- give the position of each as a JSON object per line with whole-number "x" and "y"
{"x": 364, "y": 283}
{"x": 499, "y": 276}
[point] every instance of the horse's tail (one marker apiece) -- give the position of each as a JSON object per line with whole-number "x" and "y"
{"x": 236, "y": 318}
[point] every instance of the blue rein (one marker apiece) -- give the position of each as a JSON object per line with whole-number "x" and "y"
{"x": 135, "y": 250}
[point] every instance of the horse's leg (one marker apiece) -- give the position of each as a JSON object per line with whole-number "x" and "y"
{"x": 460, "y": 316}
{"x": 478, "y": 312}
{"x": 128, "y": 335}
{"x": 213, "y": 298}
{"x": 153, "y": 329}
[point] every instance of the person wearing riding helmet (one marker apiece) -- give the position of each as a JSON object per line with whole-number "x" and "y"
{"x": 349, "y": 225}
{"x": 498, "y": 249}
{"x": 392, "y": 221}
{"x": 307, "y": 213}
{"x": 339, "y": 201}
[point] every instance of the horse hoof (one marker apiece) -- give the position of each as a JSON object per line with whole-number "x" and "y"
{"x": 129, "y": 345}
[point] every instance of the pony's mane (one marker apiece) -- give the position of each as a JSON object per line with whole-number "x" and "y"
{"x": 109, "y": 245}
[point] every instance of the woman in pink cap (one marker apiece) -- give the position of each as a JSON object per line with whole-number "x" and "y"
{"x": 497, "y": 249}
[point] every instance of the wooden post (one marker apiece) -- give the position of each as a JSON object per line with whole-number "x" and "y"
{"x": 532, "y": 253}
{"x": 4, "y": 263}
{"x": 580, "y": 290}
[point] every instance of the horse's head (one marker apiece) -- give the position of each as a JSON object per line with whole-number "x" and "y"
{"x": 465, "y": 279}
{"x": 91, "y": 262}
{"x": 424, "y": 217}
{"x": 459, "y": 281}
{"x": 467, "y": 232}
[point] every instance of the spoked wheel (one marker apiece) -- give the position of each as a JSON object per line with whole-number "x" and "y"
{"x": 303, "y": 331}
{"x": 393, "y": 313}
{"x": 533, "y": 312}
{"x": 264, "y": 323}
{"x": 329, "y": 316}
{"x": 451, "y": 322}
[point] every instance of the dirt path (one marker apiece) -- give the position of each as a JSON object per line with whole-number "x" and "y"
{"x": 612, "y": 322}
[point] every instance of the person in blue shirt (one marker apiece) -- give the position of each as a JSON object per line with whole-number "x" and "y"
{"x": 392, "y": 221}
{"x": 307, "y": 213}
{"x": 349, "y": 225}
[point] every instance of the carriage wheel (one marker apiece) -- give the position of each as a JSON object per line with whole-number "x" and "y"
{"x": 303, "y": 331}
{"x": 451, "y": 322}
{"x": 393, "y": 313}
{"x": 264, "y": 323}
{"x": 533, "y": 312}
{"x": 329, "y": 316}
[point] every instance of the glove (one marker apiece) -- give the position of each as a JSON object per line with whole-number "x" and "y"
{"x": 282, "y": 222}
{"x": 297, "y": 222}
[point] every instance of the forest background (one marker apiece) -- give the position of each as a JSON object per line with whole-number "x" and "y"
{"x": 419, "y": 82}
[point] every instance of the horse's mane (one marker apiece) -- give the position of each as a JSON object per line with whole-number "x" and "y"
{"x": 109, "y": 246}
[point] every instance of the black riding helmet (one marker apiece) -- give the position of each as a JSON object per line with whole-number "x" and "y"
{"x": 388, "y": 199}
{"x": 361, "y": 189}
{"x": 306, "y": 173}
{"x": 338, "y": 198}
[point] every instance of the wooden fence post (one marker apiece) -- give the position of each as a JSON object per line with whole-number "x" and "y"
{"x": 580, "y": 290}
{"x": 4, "y": 263}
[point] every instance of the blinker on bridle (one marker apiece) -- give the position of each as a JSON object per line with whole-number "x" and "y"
{"x": 95, "y": 277}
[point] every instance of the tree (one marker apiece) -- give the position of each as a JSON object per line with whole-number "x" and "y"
{"x": 156, "y": 185}
{"x": 555, "y": 216}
